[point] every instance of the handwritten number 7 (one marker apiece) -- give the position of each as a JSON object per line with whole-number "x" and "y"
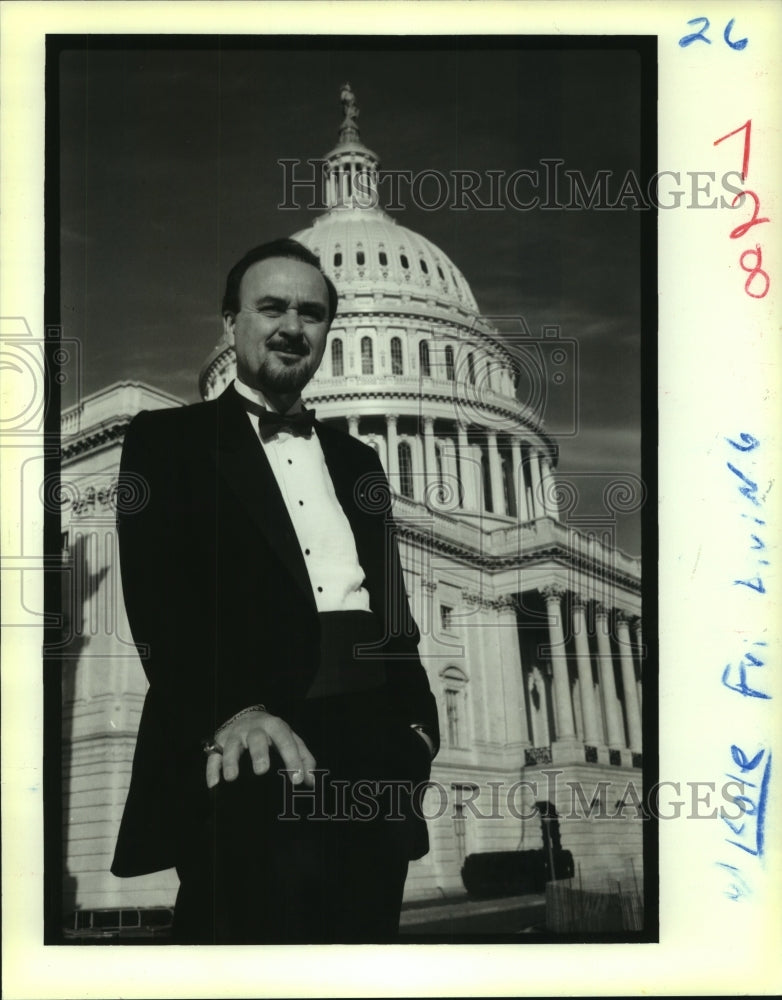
{"x": 699, "y": 36}
{"x": 745, "y": 162}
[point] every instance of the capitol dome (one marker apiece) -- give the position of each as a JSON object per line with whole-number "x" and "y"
{"x": 411, "y": 366}
{"x": 363, "y": 249}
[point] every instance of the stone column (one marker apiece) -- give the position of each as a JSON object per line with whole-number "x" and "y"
{"x": 495, "y": 474}
{"x": 639, "y": 652}
{"x": 467, "y": 471}
{"x": 430, "y": 460}
{"x": 616, "y": 739}
{"x": 632, "y": 707}
{"x": 512, "y": 677}
{"x": 518, "y": 481}
{"x": 392, "y": 443}
{"x": 353, "y": 426}
{"x": 537, "y": 503}
{"x": 547, "y": 483}
{"x": 566, "y": 729}
{"x": 592, "y": 733}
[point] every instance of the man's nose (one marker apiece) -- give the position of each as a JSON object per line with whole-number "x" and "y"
{"x": 290, "y": 322}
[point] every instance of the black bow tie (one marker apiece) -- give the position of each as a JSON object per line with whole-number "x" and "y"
{"x": 270, "y": 422}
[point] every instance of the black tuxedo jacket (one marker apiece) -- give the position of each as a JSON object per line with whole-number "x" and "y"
{"x": 220, "y": 603}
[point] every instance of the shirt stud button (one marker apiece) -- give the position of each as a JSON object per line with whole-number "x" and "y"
{"x": 301, "y": 503}
{"x": 320, "y": 590}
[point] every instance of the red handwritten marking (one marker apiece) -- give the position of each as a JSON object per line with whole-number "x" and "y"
{"x": 754, "y": 271}
{"x": 745, "y": 163}
{"x": 745, "y": 227}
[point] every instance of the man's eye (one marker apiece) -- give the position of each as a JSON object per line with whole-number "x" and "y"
{"x": 270, "y": 311}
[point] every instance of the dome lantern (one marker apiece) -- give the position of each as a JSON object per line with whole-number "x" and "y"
{"x": 350, "y": 169}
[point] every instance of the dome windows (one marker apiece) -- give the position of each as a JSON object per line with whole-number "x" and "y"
{"x": 449, "y": 363}
{"x": 423, "y": 358}
{"x": 367, "y": 356}
{"x": 424, "y": 268}
{"x": 404, "y": 261}
{"x": 397, "y": 366}
{"x": 337, "y": 259}
{"x": 405, "y": 470}
{"x": 337, "y": 358}
{"x": 471, "y": 367}
{"x": 360, "y": 259}
{"x": 383, "y": 258}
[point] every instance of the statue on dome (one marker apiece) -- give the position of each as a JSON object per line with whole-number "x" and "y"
{"x": 349, "y": 106}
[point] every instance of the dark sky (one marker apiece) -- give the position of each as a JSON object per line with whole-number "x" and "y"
{"x": 169, "y": 173}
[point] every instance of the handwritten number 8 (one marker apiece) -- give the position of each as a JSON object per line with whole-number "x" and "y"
{"x": 754, "y": 271}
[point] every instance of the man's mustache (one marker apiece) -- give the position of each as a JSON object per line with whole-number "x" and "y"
{"x": 290, "y": 346}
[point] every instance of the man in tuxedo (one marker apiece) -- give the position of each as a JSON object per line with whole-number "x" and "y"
{"x": 288, "y": 728}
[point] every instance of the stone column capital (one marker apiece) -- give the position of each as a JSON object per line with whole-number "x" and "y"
{"x": 578, "y": 602}
{"x": 601, "y": 611}
{"x": 623, "y": 617}
{"x": 391, "y": 419}
{"x": 552, "y": 592}
{"x": 428, "y": 423}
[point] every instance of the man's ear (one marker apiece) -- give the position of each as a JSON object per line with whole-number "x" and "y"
{"x": 229, "y": 323}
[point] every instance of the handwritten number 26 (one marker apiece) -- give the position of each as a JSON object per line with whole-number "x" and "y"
{"x": 700, "y": 35}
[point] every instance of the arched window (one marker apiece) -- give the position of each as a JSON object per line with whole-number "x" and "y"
{"x": 397, "y": 367}
{"x": 449, "y": 363}
{"x": 424, "y": 268}
{"x": 367, "y": 356}
{"x": 337, "y": 358}
{"x": 360, "y": 258}
{"x": 405, "y": 470}
{"x": 383, "y": 258}
{"x": 337, "y": 259}
{"x": 423, "y": 357}
{"x": 471, "y": 367}
{"x": 404, "y": 261}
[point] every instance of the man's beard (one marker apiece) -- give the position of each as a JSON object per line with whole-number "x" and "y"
{"x": 277, "y": 376}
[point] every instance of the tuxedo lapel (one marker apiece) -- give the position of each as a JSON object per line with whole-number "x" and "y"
{"x": 242, "y": 464}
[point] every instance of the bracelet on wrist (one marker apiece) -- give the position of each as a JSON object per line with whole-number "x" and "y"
{"x": 244, "y": 711}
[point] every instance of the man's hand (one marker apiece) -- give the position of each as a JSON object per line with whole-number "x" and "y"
{"x": 256, "y": 732}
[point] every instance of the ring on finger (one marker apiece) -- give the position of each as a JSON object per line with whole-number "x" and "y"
{"x": 210, "y": 747}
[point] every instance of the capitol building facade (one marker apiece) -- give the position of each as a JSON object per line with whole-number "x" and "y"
{"x": 530, "y": 617}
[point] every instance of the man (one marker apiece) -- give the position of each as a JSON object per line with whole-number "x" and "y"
{"x": 288, "y": 720}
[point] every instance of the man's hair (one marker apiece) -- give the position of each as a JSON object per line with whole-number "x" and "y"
{"x": 287, "y": 248}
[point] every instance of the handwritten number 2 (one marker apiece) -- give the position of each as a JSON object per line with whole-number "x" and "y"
{"x": 745, "y": 227}
{"x": 698, "y": 36}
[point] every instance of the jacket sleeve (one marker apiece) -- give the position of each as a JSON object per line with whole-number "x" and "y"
{"x": 407, "y": 677}
{"x": 163, "y": 601}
